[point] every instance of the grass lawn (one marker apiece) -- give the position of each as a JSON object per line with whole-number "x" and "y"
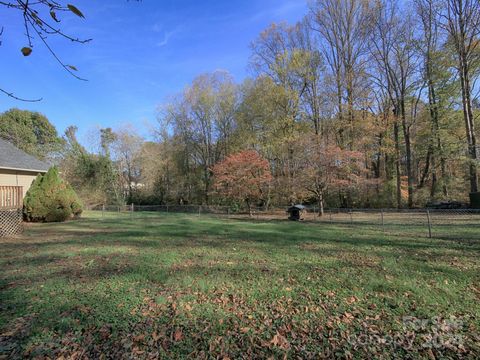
{"x": 176, "y": 286}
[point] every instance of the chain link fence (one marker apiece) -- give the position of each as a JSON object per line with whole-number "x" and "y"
{"x": 458, "y": 224}
{"x": 453, "y": 224}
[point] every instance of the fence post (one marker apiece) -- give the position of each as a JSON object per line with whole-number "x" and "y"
{"x": 167, "y": 208}
{"x": 199, "y": 209}
{"x": 131, "y": 210}
{"x": 429, "y": 224}
{"x": 383, "y": 222}
{"x": 331, "y": 219}
{"x": 103, "y": 210}
{"x": 351, "y": 217}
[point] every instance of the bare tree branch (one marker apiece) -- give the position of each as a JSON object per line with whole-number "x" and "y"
{"x": 10, "y": 94}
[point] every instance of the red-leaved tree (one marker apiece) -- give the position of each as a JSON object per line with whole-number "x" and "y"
{"x": 327, "y": 167}
{"x": 242, "y": 177}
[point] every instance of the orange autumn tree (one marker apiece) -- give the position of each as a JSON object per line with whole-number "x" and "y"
{"x": 327, "y": 167}
{"x": 243, "y": 176}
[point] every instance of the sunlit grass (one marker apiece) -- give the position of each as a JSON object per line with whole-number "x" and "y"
{"x": 172, "y": 285}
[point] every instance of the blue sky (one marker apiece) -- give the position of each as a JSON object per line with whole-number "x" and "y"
{"x": 141, "y": 53}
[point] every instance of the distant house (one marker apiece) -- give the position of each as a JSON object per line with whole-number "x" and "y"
{"x": 17, "y": 168}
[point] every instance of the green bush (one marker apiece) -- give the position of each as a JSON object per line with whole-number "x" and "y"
{"x": 51, "y": 199}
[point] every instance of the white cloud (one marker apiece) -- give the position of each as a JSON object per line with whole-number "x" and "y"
{"x": 168, "y": 34}
{"x": 166, "y": 37}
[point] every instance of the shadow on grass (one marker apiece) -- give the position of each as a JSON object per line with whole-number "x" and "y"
{"x": 222, "y": 233}
{"x": 92, "y": 272}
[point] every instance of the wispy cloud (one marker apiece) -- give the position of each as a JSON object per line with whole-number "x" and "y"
{"x": 166, "y": 37}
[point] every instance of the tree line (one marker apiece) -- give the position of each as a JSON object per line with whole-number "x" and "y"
{"x": 368, "y": 103}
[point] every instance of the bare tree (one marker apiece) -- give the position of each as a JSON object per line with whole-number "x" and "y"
{"x": 310, "y": 73}
{"x": 274, "y": 55}
{"x": 127, "y": 148}
{"x": 430, "y": 50}
{"x": 202, "y": 118}
{"x": 393, "y": 49}
{"x": 343, "y": 28}
{"x": 461, "y": 19}
{"x": 277, "y": 57}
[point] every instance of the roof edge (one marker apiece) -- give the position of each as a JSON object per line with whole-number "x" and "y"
{"x": 20, "y": 169}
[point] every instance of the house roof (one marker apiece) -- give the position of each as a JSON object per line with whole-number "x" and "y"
{"x": 12, "y": 158}
{"x": 296, "y": 207}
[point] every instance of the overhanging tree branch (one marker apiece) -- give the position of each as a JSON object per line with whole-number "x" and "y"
{"x": 37, "y": 25}
{"x": 10, "y": 94}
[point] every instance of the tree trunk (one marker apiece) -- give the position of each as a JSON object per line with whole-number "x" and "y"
{"x": 426, "y": 170}
{"x": 408, "y": 151}
{"x": 469, "y": 122}
{"x": 207, "y": 185}
{"x": 249, "y": 206}
{"x": 351, "y": 120}
{"x": 435, "y": 132}
{"x": 433, "y": 189}
{"x": 397, "y": 164}
{"x": 320, "y": 205}
{"x": 340, "y": 112}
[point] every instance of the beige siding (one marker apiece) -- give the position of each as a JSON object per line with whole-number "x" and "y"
{"x": 25, "y": 181}
{"x": 8, "y": 179}
{"x": 17, "y": 178}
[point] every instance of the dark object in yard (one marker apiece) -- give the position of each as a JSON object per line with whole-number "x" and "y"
{"x": 446, "y": 205}
{"x": 296, "y": 212}
{"x": 475, "y": 200}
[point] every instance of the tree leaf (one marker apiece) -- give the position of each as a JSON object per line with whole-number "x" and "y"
{"x": 26, "y": 51}
{"x": 75, "y": 10}
{"x": 54, "y": 16}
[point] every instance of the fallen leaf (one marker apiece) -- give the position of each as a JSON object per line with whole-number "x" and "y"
{"x": 156, "y": 336}
{"x": 351, "y": 300}
{"x": 280, "y": 341}
{"x": 139, "y": 338}
{"x": 178, "y": 335}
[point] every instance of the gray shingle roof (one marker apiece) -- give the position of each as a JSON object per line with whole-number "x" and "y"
{"x": 16, "y": 159}
{"x": 297, "y": 207}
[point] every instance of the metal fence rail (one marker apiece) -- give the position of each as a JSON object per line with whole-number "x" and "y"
{"x": 454, "y": 224}
{"x": 461, "y": 224}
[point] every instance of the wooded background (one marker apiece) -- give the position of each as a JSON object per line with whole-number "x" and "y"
{"x": 362, "y": 104}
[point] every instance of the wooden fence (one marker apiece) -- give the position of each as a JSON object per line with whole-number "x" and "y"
{"x": 11, "y": 197}
{"x": 11, "y": 203}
